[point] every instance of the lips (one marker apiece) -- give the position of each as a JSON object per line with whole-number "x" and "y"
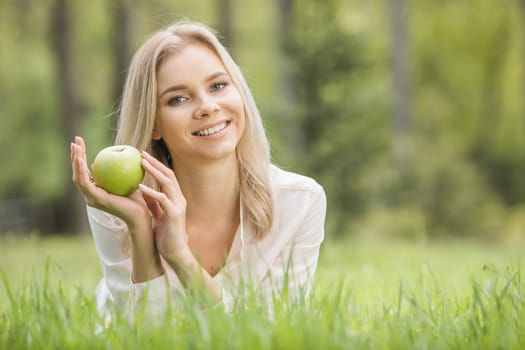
{"x": 208, "y": 131}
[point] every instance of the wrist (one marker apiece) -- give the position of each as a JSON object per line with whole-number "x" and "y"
{"x": 145, "y": 258}
{"x": 142, "y": 275}
{"x": 139, "y": 222}
{"x": 181, "y": 259}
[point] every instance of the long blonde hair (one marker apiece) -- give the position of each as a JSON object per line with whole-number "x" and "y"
{"x": 139, "y": 105}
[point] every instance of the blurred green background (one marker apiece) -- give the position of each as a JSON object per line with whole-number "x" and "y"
{"x": 411, "y": 114}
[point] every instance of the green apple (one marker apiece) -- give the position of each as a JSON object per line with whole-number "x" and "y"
{"x": 118, "y": 169}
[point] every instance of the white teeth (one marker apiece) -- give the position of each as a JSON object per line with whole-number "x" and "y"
{"x": 211, "y": 131}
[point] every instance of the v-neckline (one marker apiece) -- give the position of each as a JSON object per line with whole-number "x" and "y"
{"x": 237, "y": 246}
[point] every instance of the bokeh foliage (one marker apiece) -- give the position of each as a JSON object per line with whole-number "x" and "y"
{"x": 331, "y": 118}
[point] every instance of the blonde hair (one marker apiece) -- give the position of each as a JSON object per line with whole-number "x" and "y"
{"x": 139, "y": 105}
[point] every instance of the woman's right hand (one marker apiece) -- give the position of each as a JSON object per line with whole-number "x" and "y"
{"x": 132, "y": 209}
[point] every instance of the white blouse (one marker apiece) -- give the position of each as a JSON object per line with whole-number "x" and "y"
{"x": 286, "y": 257}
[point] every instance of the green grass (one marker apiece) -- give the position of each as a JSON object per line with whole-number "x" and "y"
{"x": 369, "y": 295}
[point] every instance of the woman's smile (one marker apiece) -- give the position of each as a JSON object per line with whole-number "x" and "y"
{"x": 213, "y": 130}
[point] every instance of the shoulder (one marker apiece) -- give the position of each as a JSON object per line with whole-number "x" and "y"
{"x": 293, "y": 191}
{"x": 283, "y": 181}
{"x": 299, "y": 207}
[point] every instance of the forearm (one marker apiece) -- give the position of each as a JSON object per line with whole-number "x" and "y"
{"x": 145, "y": 259}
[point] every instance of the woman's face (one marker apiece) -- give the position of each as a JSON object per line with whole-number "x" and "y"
{"x": 200, "y": 113}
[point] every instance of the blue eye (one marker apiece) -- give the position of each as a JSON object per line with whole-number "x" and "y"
{"x": 176, "y": 100}
{"x": 218, "y": 86}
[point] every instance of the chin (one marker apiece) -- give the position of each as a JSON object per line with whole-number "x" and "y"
{"x": 223, "y": 153}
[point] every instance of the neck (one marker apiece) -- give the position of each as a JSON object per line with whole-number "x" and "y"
{"x": 211, "y": 189}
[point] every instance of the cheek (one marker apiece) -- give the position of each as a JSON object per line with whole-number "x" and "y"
{"x": 234, "y": 100}
{"x": 239, "y": 106}
{"x": 168, "y": 117}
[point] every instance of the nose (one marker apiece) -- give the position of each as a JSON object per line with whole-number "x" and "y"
{"x": 206, "y": 109}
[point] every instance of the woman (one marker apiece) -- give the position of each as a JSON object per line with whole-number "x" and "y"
{"x": 213, "y": 212}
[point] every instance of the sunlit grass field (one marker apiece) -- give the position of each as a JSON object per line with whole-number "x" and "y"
{"x": 369, "y": 294}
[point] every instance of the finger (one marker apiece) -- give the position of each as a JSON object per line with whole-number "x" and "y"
{"x": 160, "y": 197}
{"x": 74, "y": 161}
{"x": 83, "y": 176}
{"x": 76, "y": 154}
{"x": 80, "y": 142}
{"x": 168, "y": 183}
{"x": 154, "y": 162}
{"x": 93, "y": 195}
{"x": 158, "y": 164}
{"x": 152, "y": 205}
{"x": 78, "y": 149}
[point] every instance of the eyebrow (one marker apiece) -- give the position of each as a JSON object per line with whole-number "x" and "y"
{"x": 181, "y": 87}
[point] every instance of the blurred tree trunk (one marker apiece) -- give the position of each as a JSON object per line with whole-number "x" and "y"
{"x": 225, "y": 15}
{"x": 69, "y": 210}
{"x": 400, "y": 67}
{"x": 287, "y": 82}
{"x": 286, "y": 25}
{"x": 123, "y": 17}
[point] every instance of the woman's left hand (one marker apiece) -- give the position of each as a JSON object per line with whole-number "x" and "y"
{"x": 168, "y": 207}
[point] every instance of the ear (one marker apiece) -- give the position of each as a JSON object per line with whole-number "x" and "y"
{"x": 155, "y": 135}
